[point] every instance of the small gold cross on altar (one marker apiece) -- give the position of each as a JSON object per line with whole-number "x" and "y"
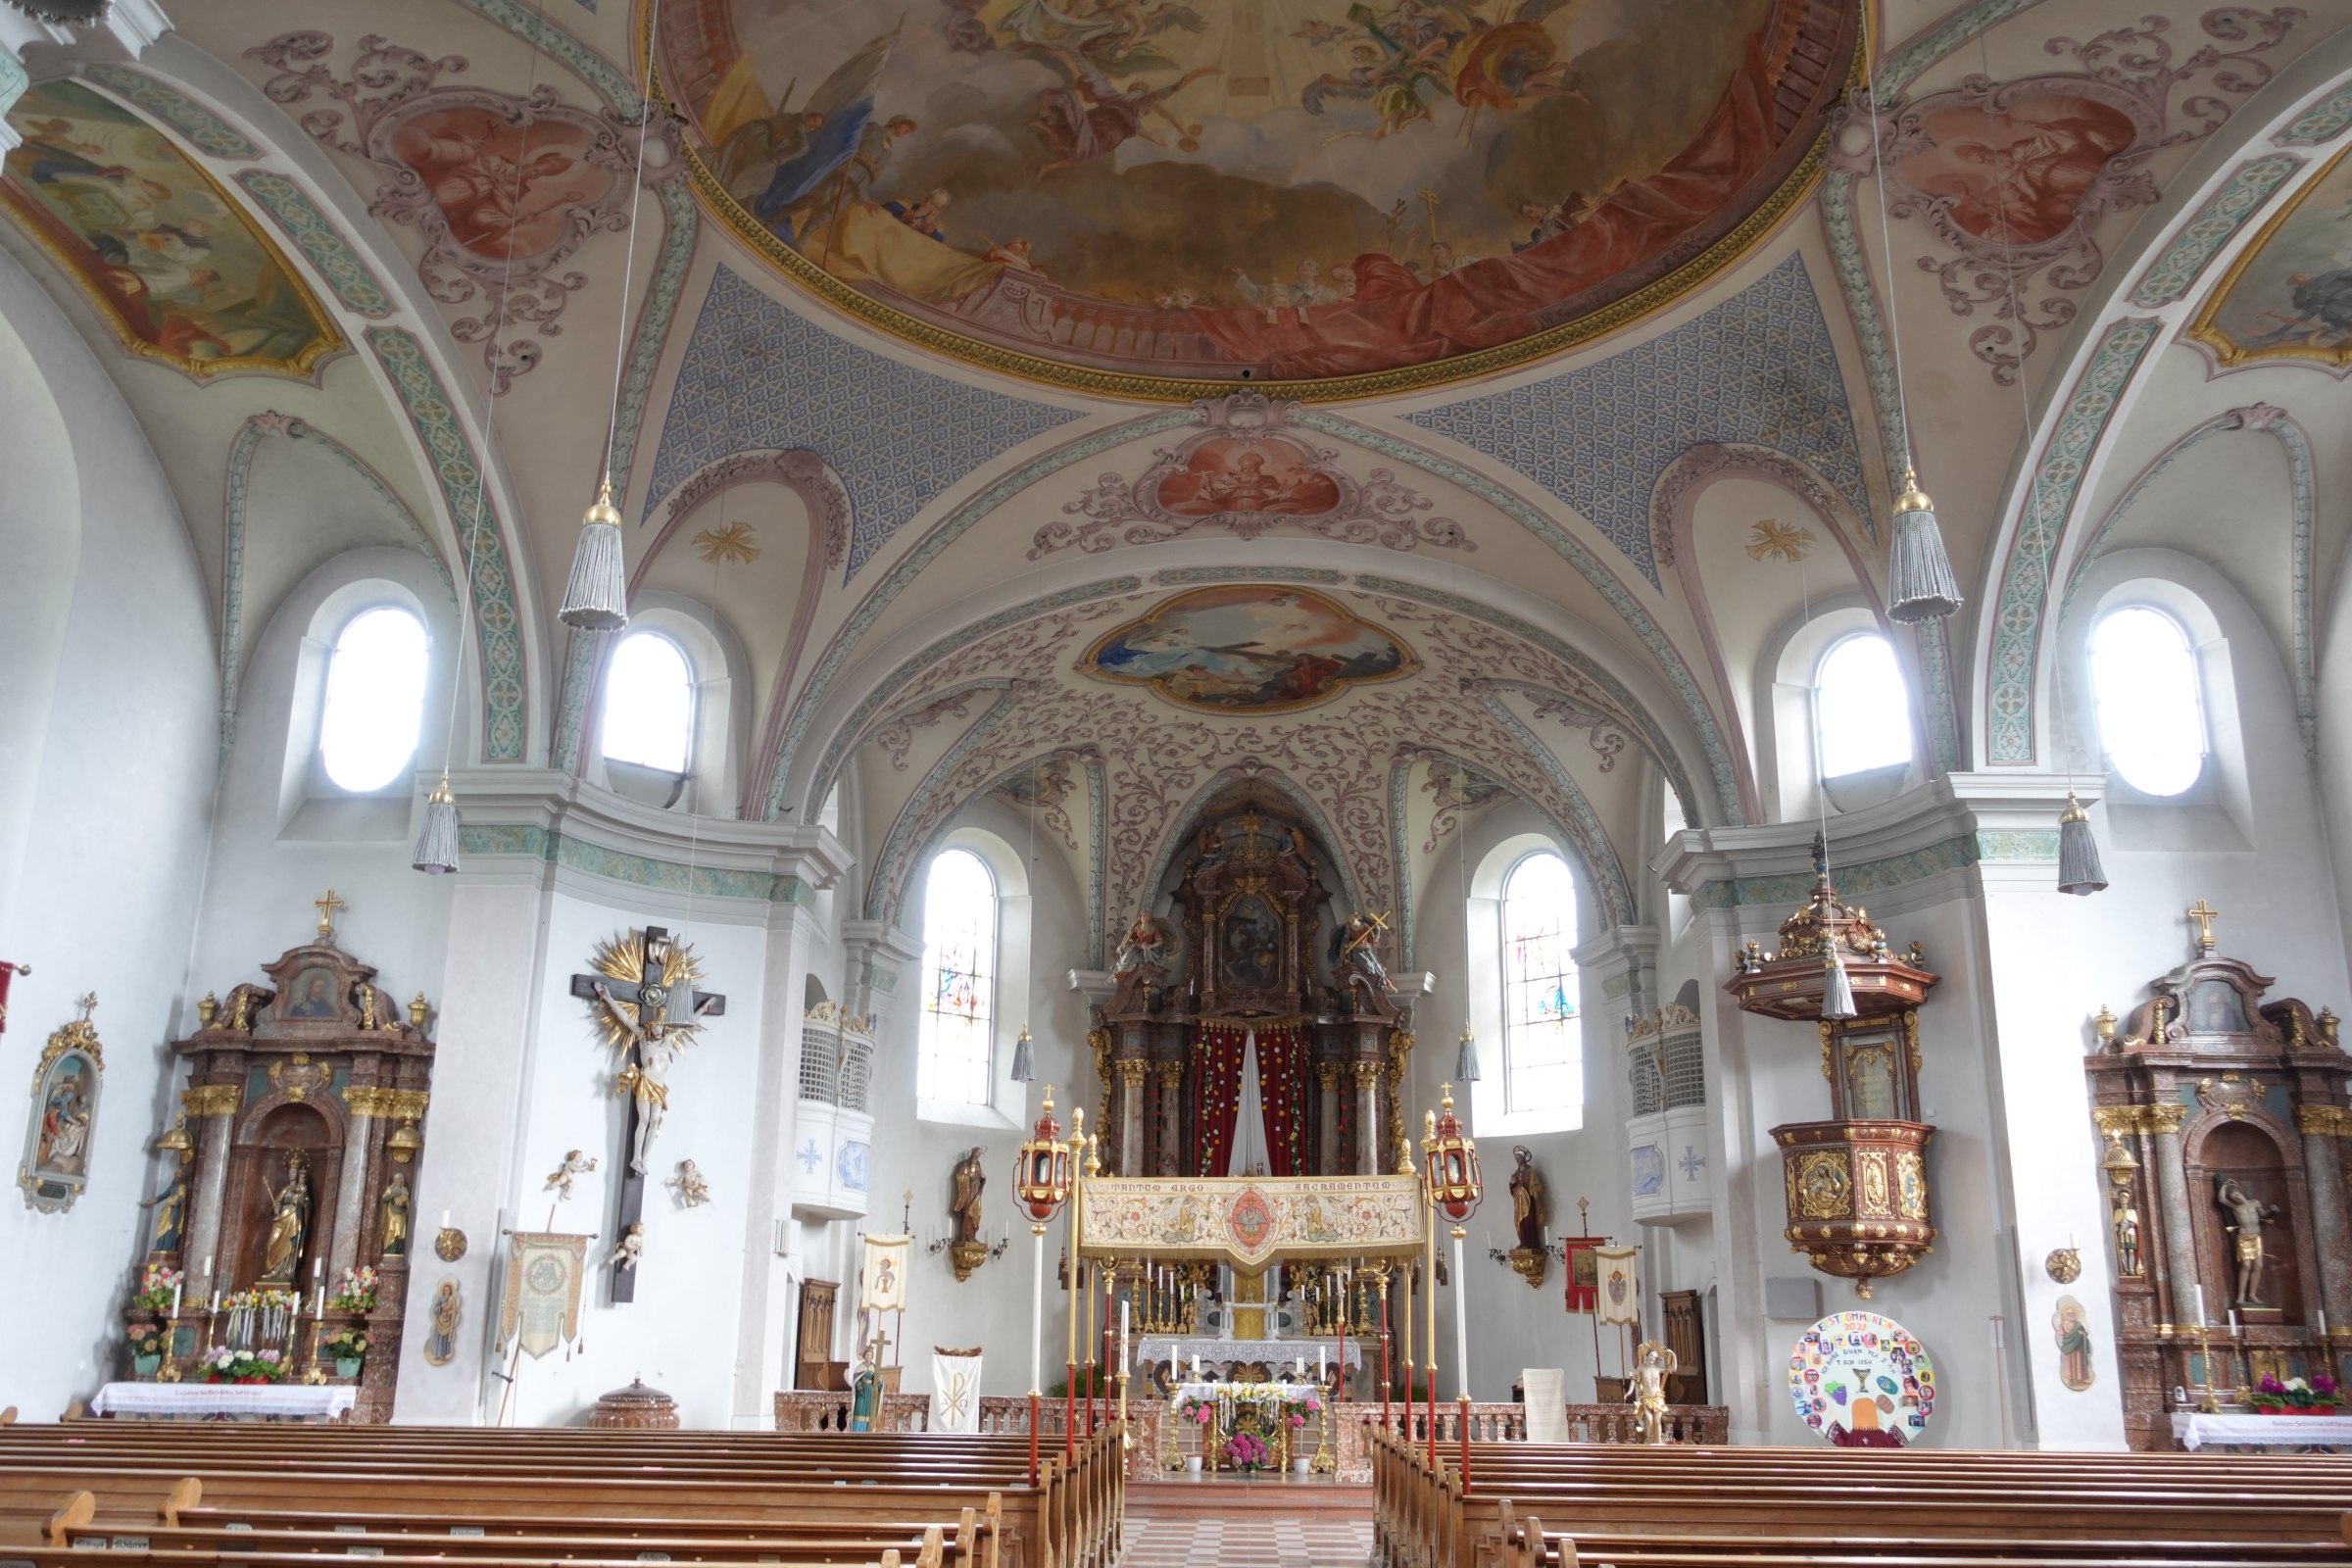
{"x": 326, "y": 909}
{"x": 2204, "y": 918}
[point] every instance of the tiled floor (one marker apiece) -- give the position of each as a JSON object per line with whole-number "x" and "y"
{"x": 1254, "y": 1539}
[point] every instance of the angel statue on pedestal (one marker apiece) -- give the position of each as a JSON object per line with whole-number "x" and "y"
{"x": 1653, "y": 1364}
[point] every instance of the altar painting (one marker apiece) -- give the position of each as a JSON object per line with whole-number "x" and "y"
{"x": 1311, "y": 186}
{"x": 168, "y": 258}
{"x": 1250, "y": 649}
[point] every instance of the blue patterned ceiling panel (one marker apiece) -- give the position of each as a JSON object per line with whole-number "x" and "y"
{"x": 759, "y": 375}
{"x": 1758, "y": 368}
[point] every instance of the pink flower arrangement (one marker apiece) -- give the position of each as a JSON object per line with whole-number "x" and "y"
{"x": 1245, "y": 1451}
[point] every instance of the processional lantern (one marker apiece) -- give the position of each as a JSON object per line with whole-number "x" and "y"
{"x": 1450, "y": 1178}
{"x": 1856, "y": 1184}
{"x": 1043, "y": 1184}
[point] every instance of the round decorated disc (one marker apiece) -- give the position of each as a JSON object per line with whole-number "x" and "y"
{"x": 1862, "y": 1381}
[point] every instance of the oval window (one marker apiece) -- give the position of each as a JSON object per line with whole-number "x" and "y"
{"x": 375, "y": 699}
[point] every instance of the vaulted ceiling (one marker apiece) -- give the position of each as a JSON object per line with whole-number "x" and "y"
{"x": 1076, "y": 489}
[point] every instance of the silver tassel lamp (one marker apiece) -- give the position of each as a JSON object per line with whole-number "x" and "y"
{"x": 1024, "y": 1059}
{"x": 2079, "y": 869}
{"x": 1837, "y": 992}
{"x": 1465, "y": 1060}
{"x": 597, "y": 598}
{"x": 1920, "y": 585}
{"x": 437, "y": 843}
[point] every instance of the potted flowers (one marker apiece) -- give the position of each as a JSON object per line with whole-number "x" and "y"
{"x": 146, "y": 1348}
{"x": 357, "y": 1292}
{"x": 159, "y": 1289}
{"x": 225, "y": 1364}
{"x": 1244, "y": 1450}
{"x": 2316, "y": 1397}
{"x": 349, "y": 1347}
{"x": 1200, "y": 1412}
{"x": 1295, "y": 1413}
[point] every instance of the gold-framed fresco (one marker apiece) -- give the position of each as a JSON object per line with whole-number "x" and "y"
{"x": 1248, "y": 649}
{"x": 172, "y": 260}
{"x": 2289, "y": 295}
{"x": 934, "y": 255}
{"x": 65, "y": 1115}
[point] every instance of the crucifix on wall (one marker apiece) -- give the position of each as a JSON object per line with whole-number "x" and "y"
{"x": 646, "y": 1005}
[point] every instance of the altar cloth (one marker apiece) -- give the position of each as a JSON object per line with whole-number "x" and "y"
{"x": 226, "y": 1401}
{"x": 2195, "y": 1430}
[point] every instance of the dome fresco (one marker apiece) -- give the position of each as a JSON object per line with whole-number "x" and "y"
{"x": 1147, "y": 196}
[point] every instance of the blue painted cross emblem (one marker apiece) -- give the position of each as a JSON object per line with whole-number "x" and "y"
{"x": 1693, "y": 1162}
{"x": 811, "y": 1156}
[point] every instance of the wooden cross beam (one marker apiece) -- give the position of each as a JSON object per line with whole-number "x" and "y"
{"x": 659, "y": 1010}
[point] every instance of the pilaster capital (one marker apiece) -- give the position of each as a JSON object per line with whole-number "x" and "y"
{"x": 1368, "y": 1074}
{"x": 212, "y": 1099}
{"x": 2167, "y": 1117}
{"x": 2323, "y": 1121}
{"x": 1132, "y": 1070}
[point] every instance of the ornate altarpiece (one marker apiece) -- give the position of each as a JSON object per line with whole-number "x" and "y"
{"x": 2205, "y": 1085}
{"x": 318, "y": 1064}
{"x": 1252, "y": 960}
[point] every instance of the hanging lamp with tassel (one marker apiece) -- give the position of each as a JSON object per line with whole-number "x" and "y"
{"x": 1465, "y": 1060}
{"x": 1920, "y": 585}
{"x": 2079, "y": 869}
{"x": 597, "y": 598}
{"x": 1024, "y": 1059}
{"x": 1837, "y": 991}
{"x": 437, "y": 843}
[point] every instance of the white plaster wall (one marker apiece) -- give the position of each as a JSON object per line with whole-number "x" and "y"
{"x": 108, "y": 778}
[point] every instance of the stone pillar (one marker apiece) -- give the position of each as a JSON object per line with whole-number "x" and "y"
{"x": 2324, "y": 1173}
{"x": 1326, "y": 1152}
{"x": 2172, "y": 1194}
{"x": 351, "y": 1193}
{"x": 1169, "y": 1123}
{"x": 766, "y": 1321}
{"x": 1368, "y": 1075}
{"x": 1131, "y": 1115}
{"x": 213, "y": 1107}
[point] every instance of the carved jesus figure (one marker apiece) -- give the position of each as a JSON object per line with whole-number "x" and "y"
{"x": 647, "y": 1077}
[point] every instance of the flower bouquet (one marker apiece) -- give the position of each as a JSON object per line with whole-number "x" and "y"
{"x": 349, "y": 1348}
{"x": 157, "y": 1287}
{"x": 1298, "y": 1411}
{"x": 1244, "y": 1450}
{"x": 357, "y": 1292}
{"x": 2275, "y": 1397}
{"x": 146, "y": 1348}
{"x": 225, "y": 1364}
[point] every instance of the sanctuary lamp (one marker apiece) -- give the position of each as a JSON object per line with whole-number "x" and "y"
{"x": 1856, "y": 1184}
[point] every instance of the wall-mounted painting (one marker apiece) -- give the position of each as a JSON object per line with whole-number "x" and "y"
{"x": 1248, "y": 649}
{"x": 65, "y": 1115}
{"x": 2290, "y": 295}
{"x": 165, "y": 253}
{"x": 1112, "y": 193}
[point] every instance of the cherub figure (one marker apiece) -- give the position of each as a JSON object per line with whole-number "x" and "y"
{"x": 630, "y": 1249}
{"x": 562, "y": 1176}
{"x": 692, "y": 1191}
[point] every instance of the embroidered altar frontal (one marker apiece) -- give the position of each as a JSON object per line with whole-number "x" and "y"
{"x": 1249, "y": 1221}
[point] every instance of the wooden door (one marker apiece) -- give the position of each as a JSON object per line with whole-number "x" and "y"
{"x": 813, "y": 1364}
{"x": 1685, "y": 1337}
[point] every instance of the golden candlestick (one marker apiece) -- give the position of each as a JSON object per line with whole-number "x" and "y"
{"x": 1126, "y": 1441}
{"x": 168, "y": 1372}
{"x": 2208, "y": 1401}
{"x": 317, "y": 1374}
{"x": 1325, "y": 1463}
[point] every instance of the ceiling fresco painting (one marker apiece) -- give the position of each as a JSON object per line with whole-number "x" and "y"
{"x": 1130, "y": 195}
{"x": 2289, "y": 297}
{"x": 1248, "y": 649}
{"x": 178, "y": 270}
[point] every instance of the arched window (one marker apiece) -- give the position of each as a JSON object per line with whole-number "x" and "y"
{"x": 649, "y": 704}
{"x": 375, "y": 699}
{"x": 1542, "y": 1035}
{"x": 1861, "y": 712}
{"x": 952, "y": 1056}
{"x": 2144, "y": 677}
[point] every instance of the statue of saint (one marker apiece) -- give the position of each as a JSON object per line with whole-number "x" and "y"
{"x": 1356, "y": 951}
{"x": 1529, "y": 1215}
{"x": 396, "y": 1217}
{"x": 970, "y": 1179}
{"x": 1653, "y": 1364}
{"x": 289, "y": 1223}
{"x": 1144, "y": 946}
{"x": 170, "y": 1214}
{"x": 2126, "y": 1235}
{"x": 441, "y": 1338}
{"x": 2247, "y": 1215}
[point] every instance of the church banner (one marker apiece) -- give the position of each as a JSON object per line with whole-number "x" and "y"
{"x": 1249, "y": 1222}
{"x": 955, "y": 1389}
{"x": 541, "y": 1308}
{"x": 1620, "y": 1284}
{"x": 1583, "y": 1274}
{"x": 882, "y": 1275}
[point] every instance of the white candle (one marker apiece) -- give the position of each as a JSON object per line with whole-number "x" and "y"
{"x": 2234, "y": 1321}
{"x": 207, "y": 1268}
{"x": 320, "y": 1311}
{"x": 445, "y": 1219}
{"x": 1321, "y": 1368}
{"x": 1298, "y": 1366}
{"x": 2323, "y": 1323}
{"x": 1196, "y": 1368}
{"x": 2202, "y": 1319}
{"x": 216, "y": 1299}
{"x": 176, "y": 1288}
{"x": 317, "y": 1269}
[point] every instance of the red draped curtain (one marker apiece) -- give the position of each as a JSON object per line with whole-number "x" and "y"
{"x": 1283, "y": 1074}
{"x": 1216, "y": 1094}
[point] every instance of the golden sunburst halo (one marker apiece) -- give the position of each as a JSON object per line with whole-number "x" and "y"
{"x": 1773, "y": 539}
{"x": 734, "y": 542}
{"x": 622, "y": 958}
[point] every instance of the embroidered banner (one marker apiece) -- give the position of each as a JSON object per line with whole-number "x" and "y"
{"x": 1249, "y": 1221}
{"x": 1620, "y": 1284}
{"x": 1583, "y": 1275}
{"x": 542, "y": 1305}
{"x": 955, "y": 1391}
{"x": 882, "y": 1275}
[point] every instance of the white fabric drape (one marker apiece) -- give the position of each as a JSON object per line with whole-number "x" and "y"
{"x": 1249, "y": 1121}
{"x": 955, "y": 1392}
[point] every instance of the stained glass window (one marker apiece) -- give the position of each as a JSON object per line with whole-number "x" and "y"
{"x": 954, "y": 1057}
{"x": 2151, "y": 714}
{"x": 1542, "y": 1034}
{"x": 649, "y": 704}
{"x": 375, "y": 699}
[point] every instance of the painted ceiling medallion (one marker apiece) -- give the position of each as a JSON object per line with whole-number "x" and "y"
{"x": 2290, "y": 295}
{"x": 1248, "y": 649}
{"x": 1157, "y": 201}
